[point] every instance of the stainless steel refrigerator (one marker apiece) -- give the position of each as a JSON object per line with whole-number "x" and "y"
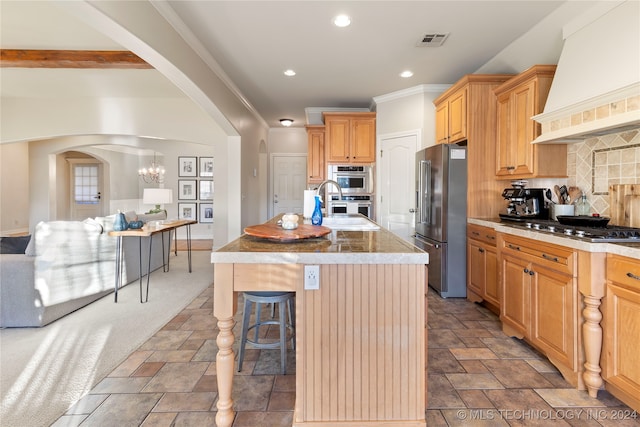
{"x": 441, "y": 216}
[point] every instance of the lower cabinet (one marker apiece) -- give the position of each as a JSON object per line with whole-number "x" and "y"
{"x": 540, "y": 299}
{"x": 621, "y": 330}
{"x": 482, "y": 266}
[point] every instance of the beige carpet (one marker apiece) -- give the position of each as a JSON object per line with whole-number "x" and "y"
{"x": 43, "y": 371}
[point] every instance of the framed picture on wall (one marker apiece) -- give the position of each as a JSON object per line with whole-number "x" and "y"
{"x": 187, "y": 211}
{"x": 187, "y": 189}
{"x": 206, "y": 212}
{"x": 206, "y": 189}
{"x": 188, "y": 166}
{"x": 206, "y": 167}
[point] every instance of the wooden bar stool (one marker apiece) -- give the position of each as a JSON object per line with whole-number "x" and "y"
{"x": 285, "y": 301}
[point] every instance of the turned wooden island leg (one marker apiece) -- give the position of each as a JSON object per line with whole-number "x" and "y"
{"x": 592, "y": 336}
{"x": 224, "y": 307}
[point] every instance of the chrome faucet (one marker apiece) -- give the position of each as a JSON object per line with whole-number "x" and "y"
{"x": 329, "y": 181}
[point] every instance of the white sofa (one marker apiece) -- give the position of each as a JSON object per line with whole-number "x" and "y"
{"x": 67, "y": 265}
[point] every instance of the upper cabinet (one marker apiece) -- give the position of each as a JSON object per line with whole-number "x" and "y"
{"x": 451, "y": 117}
{"x": 519, "y": 99}
{"x": 350, "y": 138}
{"x": 316, "y": 165}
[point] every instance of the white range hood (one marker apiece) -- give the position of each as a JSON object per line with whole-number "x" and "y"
{"x": 596, "y": 88}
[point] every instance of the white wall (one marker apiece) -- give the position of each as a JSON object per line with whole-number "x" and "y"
{"x": 14, "y": 188}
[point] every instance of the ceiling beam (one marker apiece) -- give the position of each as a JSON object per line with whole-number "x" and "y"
{"x": 24, "y": 58}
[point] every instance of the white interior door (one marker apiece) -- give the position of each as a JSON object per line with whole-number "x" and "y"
{"x": 86, "y": 198}
{"x": 288, "y": 182}
{"x": 396, "y": 171}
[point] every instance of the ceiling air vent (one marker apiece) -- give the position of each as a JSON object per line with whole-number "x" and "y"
{"x": 432, "y": 39}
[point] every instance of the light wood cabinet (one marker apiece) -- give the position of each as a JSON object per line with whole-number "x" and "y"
{"x": 350, "y": 138}
{"x": 621, "y": 359}
{"x": 518, "y": 100}
{"x": 540, "y": 299}
{"x": 451, "y": 118}
{"x": 316, "y": 166}
{"x": 482, "y": 266}
{"x": 467, "y": 111}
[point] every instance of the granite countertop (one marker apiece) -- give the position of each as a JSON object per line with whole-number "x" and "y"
{"x": 631, "y": 250}
{"x": 338, "y": 247}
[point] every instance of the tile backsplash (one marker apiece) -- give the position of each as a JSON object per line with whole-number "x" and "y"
{"x": 598, "y": 162}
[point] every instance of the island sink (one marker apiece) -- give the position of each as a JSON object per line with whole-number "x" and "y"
{"x": 349, "y": 223}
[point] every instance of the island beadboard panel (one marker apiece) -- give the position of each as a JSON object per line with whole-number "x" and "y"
{"x": 361, "y": 347}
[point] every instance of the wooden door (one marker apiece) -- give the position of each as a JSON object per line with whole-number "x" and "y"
{"x": 491, "y": 279}
{"x": 504, "y": 158}
{"x": 288, "y": 183}
{"x": 476, "y": 267}
{"x": 396, "y": 176}
{"x": 363, "y": 141}
{"x": 316, "y": 169}
{"x": 442, "y": 123}
{"x": 514, "y": 310}
{"x": 337, "y": 139}
{"x": 554, "y": 323}
{"x": 458, "y": 116}
{"x": 523, "y": 103}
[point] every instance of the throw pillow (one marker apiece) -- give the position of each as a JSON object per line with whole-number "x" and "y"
{"x": 14, "y": 245}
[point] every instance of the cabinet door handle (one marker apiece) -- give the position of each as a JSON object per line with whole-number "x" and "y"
{"x": 481, "y": 250}
{"x": 516, "y": 248}
{"x": 633, "y": 276}
{"x": 531, "y": 272}
{"x": 510, "y": 168}
{"x": 490, "y": 237}
{"x": 526, "y": 270}
{"x": 475, "y": 233}
{"x": 550, "y": 258}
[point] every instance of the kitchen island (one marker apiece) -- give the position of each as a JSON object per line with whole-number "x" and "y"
{"x": 360, "y": 337}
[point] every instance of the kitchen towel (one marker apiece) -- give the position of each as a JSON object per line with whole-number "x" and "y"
{"x": 309, "y": 203}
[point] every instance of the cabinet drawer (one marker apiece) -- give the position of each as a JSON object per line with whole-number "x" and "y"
{"x": 625, "y": 271}
{"x": 554, "y": 257}
{"x": 483, "y": 234}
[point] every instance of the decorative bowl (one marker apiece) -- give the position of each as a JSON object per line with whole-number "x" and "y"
{"x": 135, "y": 225}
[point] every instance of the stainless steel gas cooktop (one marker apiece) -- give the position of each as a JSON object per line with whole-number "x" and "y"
{"x": 608, "y": 234}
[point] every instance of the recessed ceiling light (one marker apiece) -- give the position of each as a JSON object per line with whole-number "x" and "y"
{"x": 286, "y": 122}
{"x": 342, "y": 21}
{"x": 289, "y": 73}
{"x": 406, "y": 74}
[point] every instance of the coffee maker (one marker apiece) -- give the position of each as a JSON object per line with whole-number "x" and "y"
{"x": 524, "y": 203}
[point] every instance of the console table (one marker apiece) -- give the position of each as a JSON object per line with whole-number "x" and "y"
{"x": 149, "y": 231}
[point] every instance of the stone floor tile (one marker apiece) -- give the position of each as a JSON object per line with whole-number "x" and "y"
{"x": 185, "y": 402}
{"x": 473, "y": 381}
{"x": 443, "y": 338}
{"x": 269, "y": 362}
{"x": 445, "y": 321}
{"x": 514, "y": 404}
{"x": 473, "y": 353}
{"x": 131, "y": 363}
{"x": 473, "y": 418}
{"x": 251, "y": 393}
{"x": 148, "y": 369}
{"x": 282, "y": 401}
{"x": 441, "y": 361}
{"x": 211, "y": 334}
{"x": 473, "y": 333}
{"x": 271, "y": 419}
{"x": 191, "y": 419}
{"x": 172, "y": 356}
{"x": 568, "y": 397}
{"x": 120, "y": 385}
{"x": 159, "y": 419}
{"x": 435, "y": 418}
{"x": 556, "y": 380}
{"x": 207, "y": 383}
{"x": 123, "y": 410}
{"x": 69, "y": 421}
{"x": 510, "y": 348}
{"x": 542, "y": 365}
{"x": 206, "y": 352}
{"x": 199, "y": 322}
{"x": 192, "y": 344}
{"x": 87, "y": 404}
{"x": 475, "y": 399}
{"x": 166, "y": 340}
{"x": 441, "y": 393}
{"x": 177, "y": 377}
{"x": 617, "y": 417}
{"x": 285, "y": 383}
{"x": 473, "y": 342}
{"x": 474, "y": 367}
{"x": 516, "y": 373}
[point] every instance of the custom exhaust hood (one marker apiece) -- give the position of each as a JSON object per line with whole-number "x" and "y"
{"x": 596, "y": 88}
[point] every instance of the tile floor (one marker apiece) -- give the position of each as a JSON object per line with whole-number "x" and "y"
{"x": 477, "y": 376}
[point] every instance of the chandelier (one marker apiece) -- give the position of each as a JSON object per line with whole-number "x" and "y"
{"x": 154, "y": 173}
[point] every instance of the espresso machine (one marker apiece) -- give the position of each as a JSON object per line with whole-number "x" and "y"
{"x": 524, "y": 203}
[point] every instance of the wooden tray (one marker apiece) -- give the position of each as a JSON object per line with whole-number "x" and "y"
{"x": 277, "y": 233}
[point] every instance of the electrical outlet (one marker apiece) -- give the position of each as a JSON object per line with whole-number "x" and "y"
{"x": 312, "y": 277}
